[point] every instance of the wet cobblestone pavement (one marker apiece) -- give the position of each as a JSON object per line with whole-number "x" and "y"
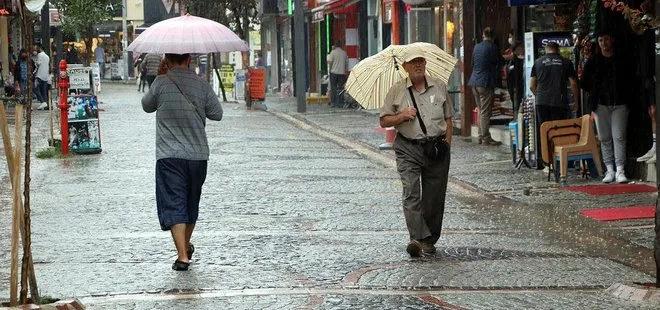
{"x": 293, "y": 220}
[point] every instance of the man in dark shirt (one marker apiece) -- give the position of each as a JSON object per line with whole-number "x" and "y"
{"x": 549, "y": 82}
{"x": 485, "y": 70}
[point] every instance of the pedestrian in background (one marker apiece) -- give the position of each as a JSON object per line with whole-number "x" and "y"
{"x": 338, "y": 66}
{"x": 152, "y": 64}
{"x": 99, "y": 55}
{"x": 486, "y": 62}
{"x": 182, "y": 102}
{"x": 515, "y": 76}
{"x": 610, "y": 81}
{"x": 42, "y": 76}
{"x": 421, "y": 110}
{"x": 22, "y": 72}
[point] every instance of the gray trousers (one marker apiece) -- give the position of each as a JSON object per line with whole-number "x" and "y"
{"x": 612, "y": 123}
{"x": 484, "y": 98}
{"x": 424, "y": 190}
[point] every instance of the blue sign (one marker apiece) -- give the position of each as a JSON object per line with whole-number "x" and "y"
{"x": 535, "y": 2}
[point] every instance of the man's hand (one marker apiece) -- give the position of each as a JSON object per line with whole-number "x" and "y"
{"x": 408, "y": 114}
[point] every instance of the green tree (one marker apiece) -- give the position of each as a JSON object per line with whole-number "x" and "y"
{"x": 239, "y": 15}
{"x": 80, "y": 16}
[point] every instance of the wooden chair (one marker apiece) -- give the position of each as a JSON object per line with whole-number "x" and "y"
{"x": 570, "y": 140}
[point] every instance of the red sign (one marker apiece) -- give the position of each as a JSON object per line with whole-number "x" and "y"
{"x": 257, "y": 84}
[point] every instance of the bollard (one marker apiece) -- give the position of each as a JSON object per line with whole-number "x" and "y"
{"x": 390, "y": 135}
{"x": 63, "y": 85}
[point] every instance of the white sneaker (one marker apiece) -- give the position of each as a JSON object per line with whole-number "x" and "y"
{"x": 621, "y": 177}
{"x": 609, "y": 177}
{"x": 647, "y": 156}
{"x": 651, "y": 160}
{"x": 42, "y": 106}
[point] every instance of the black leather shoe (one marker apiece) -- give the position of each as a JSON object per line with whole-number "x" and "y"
{"x": 180, "y": 266}
{"x": 414, "y": 248}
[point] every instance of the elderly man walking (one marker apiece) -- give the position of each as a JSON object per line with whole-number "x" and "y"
{"x": 420, "y": 108}
{"x": 182, "y": 102}
{"x": 485, "y": 69}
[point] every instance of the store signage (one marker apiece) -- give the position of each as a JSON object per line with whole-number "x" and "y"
{"x": 318, "y": 14}
{"x": 54, "y": 16}
{"x": 535, "y": 2}
{"x": 387, "y": 16}
{"x": 561, "y": 41}
{"x": 79, "y": 77}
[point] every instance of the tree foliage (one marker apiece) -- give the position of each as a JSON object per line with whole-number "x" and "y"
{"x": 239, "y": 15}
{"x": 81, "y": 16}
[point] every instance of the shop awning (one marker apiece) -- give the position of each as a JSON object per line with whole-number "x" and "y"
{"x": 338, "y": 5}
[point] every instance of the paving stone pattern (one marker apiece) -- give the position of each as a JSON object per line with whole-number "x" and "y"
{"x": 284, "y": 209}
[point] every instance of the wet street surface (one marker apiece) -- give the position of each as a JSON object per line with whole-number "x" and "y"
{"x": 292, "y": 218}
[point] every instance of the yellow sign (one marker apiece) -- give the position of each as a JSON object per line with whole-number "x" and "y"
{"x": 228, "y": 77}
{"x": 255, "y": 38}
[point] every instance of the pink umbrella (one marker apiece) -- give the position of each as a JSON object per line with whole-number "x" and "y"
{"x": 187, "y": 35}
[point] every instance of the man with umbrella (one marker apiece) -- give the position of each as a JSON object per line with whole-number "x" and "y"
{"x": 420, "y": 108}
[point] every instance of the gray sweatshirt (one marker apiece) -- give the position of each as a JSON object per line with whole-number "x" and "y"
{"x": 180, "y": 127}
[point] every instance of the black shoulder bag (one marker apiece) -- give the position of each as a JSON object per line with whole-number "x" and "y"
{"x": 435, "y": 149}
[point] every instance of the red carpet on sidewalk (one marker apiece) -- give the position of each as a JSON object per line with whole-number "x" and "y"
{"x": 625, "y": 213}
{"x": 611, "y": 189}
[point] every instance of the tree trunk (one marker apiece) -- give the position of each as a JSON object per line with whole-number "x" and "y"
{"x": 16, "y": 194}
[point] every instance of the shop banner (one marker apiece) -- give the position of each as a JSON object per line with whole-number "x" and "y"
{"x": 257, "y": 79}
{"x": 228, "y": 77}
{"x": 159, "y": 10}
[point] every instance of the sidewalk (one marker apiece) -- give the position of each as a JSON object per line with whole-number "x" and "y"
{"x": 490, "y": 169}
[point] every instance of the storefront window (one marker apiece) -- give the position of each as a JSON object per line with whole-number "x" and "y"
{"x": 550, "y": 17}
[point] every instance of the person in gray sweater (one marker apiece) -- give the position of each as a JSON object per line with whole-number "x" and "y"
{"x": 182, "y": 102}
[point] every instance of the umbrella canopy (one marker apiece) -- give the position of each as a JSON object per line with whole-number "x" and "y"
{"x": 187, "y": 35}
{"x": 372, "y": 78}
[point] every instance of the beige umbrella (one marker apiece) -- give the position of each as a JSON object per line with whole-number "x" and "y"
{"x": 372, "y": 78}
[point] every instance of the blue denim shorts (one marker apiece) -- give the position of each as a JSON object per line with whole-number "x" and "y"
{"x": 178, "y": 190}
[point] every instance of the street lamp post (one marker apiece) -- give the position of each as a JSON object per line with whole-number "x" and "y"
{"x": 299, "y": 50}
{"x": 124, "y": 38}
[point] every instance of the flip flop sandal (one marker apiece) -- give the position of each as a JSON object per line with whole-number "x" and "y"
{"x": 180, "y": 266}
{"x": 191, "y": 250}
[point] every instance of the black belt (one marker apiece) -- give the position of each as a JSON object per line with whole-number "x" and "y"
{"x": 423, "y": 140}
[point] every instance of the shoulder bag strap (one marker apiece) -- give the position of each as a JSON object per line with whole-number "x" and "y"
{"x": 419, "y": 116}
{"x": 187, "y": 98}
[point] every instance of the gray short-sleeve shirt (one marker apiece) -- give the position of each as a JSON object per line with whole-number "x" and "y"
{"x": 434, "y": 103}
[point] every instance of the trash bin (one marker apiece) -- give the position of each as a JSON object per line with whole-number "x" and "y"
{"x": 84, "y": 127}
